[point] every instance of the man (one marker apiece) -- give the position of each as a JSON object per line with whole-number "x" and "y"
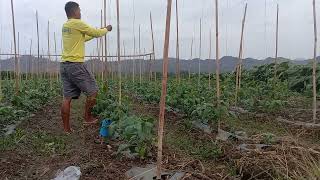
{"x": 74, "y": 74}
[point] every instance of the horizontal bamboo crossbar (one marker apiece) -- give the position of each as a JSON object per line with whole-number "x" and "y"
{"x": 58, "y": 55}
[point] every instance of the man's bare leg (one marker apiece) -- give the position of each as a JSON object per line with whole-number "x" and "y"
{"x": 90, "y": 103}
{"x": 65, "y": 114}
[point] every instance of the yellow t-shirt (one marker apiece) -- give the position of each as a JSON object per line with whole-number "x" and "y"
{"x": 75, "y": 33}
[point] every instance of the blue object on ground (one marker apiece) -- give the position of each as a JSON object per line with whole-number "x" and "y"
{"x": 104, "y": 130}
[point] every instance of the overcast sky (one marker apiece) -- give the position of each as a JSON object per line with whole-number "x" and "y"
{"x": 295, "y": 25}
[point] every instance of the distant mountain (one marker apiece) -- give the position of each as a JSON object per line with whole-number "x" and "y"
{"x": 228, "y": 63}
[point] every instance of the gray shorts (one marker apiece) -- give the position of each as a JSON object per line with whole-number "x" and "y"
{"x": 76, "y": 78}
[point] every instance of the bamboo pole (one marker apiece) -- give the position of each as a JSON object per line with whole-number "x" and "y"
{"x": 49, "y": 57}
{"x": 153, "y": 48}
{"x": 101, "y": 49}
{"x": 125, "y": 65}
{"x": 238, "y": 68}
{"x": 119, "y": 50}
{"x": 31, "y": 60}
{"x": 210, "y": 46}
{"x": 277, "y": 37}
{"x": 177, "y": 46}
{"x": 191, "y": 57}
{"x": 38, "y": 45}
{"x": 164, "y": 89}
{"x": 55, "y": 51}
{"x": 1, "y": 40}
{"x": 98, "y": 52}
{"x": 217, "y": 55}
{"x": 314, "y": 80}
{"x": 18, "y": 44}
{"x": 199, "y": 63}
{"x": 105, "y": 41}
{"x": 134, "y": 44}
{"x": 16, "y": 61}
{"x": 140, "y": 62}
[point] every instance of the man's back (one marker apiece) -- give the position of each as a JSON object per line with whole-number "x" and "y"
{"x": 75, "y": 33}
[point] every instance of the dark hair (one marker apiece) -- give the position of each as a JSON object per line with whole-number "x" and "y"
{"x": 70, "y": 7}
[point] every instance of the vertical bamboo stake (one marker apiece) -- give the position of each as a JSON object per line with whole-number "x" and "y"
{"x": 49, "y": 57}
{"x": 217, "y": 56}
{"x": 38, "y": 44}
{"x": 238, "y": 73}
{"x": 0, "y": 64}
{"x": 140, "y": 62}
{"x": 31, "y": 60}
{"x": 314, "y": 64}
{"x": 210, "y": 58}
{"x": 118, "y": 43}
{"x": 18, "y": 44}
{"x": 191, "y": 56}
{"x": 125, "y": 61}
{"x": 277, "y": 36}
{"x": 164, "y": 89}
{"x": 134, "y": 44}
{"x": 199, "y": 68}
{"x": 55, "y": 51}
{"x": 105, "y": 41}
{"x": 98, "y": 52}
{"x": 15, "y": 51}
{"x": 153, "y": 51}
{"x": 102, "y": 52}
{"x": 177, "y": 46}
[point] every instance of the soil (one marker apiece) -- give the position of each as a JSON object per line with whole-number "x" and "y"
{"x": 96, "y": 161}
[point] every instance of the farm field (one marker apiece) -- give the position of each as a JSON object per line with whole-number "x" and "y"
{"x": 166, "y": 90}
{"x": 38, "y": 148}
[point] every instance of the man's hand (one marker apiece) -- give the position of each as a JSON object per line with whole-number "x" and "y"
{"x": 109, "y": 28}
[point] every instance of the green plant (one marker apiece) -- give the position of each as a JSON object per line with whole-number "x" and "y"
{"x": 10, "y": 141}
{"x": 137, "y": 133}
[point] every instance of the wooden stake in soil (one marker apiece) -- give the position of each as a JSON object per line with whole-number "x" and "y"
{"x": 102, "y": 52}
{"x": 105, "y": 40}
{"x": 314, "y": 80}
{"x": 153, "y": 51}
{"x": 140, "y": 62}
{"x": 217, "y": 55}
{"x": 134, "y": 44}
{"x": 199, "y": 63}
{"x": 49, "y": 57}
{"x": 18, "y": 44}
{"x": 164, "y": 89}
{"x": 38, "y": 45}
{"x": 30, "y": 63}
{"x": 239, "y": 65}
{"x": 191, "y": 56}
{"x": 277, "y": 35}
{"x": 16, "y": 61}
{"x": 118, "y": 43}
{"x": 210, "y": 58}
{"x": 55, "y": 51}
{"x": 177, "y": 46}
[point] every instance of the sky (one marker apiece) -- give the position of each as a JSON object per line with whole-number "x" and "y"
{"x": 295, "y": 26}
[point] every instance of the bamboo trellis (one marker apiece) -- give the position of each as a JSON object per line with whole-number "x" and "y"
{"x": 217, "y": 54}
{"x": 16, "y": 61}
{"x": 119, "y": 49}
{"x": 153, "y": 49}
{"x": 164, "y": 88}
{"x": 177, "y": 45}
{"x": 239, "y": 65}
{"x": 314, "y": 67}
